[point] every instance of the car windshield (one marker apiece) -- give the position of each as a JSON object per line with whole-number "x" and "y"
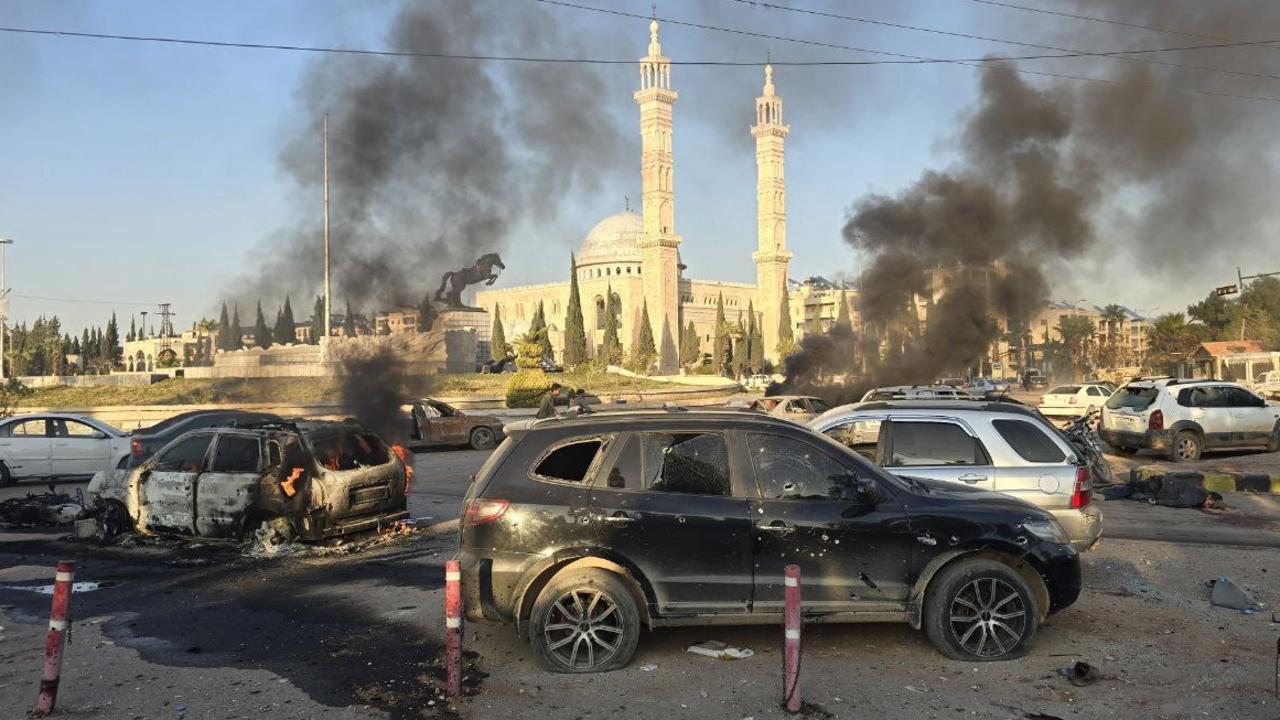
{"x": 1133, "y": 397}
{"x": 348, "y": 450}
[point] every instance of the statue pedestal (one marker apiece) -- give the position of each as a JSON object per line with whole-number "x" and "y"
{"x": 466, "y": 338}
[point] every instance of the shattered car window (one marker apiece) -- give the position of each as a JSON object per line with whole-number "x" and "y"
{"x": 788, "y": 469}
{"x": 692, "y": 463}
{"x": 569, "y": 462}
{"x": 349, "y": 450}
{"x": 1133, "y": 398}
{"x": 186, "y": 457}
{"x": 236, "y": 454}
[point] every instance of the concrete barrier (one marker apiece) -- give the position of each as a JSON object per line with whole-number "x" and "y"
{"x": 1215, "y": 480}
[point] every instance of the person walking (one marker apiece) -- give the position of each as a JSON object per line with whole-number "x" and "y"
{"x": 548, "y": 407}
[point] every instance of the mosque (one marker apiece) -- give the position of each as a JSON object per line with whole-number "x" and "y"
{"x": 636, "y": 255}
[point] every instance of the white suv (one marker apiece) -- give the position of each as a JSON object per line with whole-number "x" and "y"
{"x": 1268, "y": 384}
{"x": 1186, "y": 417}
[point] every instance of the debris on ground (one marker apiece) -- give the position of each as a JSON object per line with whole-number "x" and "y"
{"x": 276, "y": 539}
{"x": 1227, "y": 594}
{"x": 49, "y": 509}
{"x": 648, "y": 667}
{"x": 720, "y": 651}
{"x": 1175, "y": 489}
{"x": 1081, "y": 674}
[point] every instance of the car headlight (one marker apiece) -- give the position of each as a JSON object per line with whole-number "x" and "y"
{"x": 1049, "y": 530}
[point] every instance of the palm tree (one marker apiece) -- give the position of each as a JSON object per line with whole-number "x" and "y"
{"x": 1114, "y": 316}
{"x": 1076, "y": 331}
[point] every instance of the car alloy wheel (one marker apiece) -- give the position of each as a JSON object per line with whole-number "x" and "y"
{"x": 481, "y": 439}
{"x": 584, "y": 629}
{"x": 988, "y": 617}
{"x": 1186, "y": 447}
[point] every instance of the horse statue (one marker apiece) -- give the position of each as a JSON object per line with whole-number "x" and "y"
{"x": 458, "y": 280}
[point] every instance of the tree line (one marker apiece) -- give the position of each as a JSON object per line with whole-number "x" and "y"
{"x": 42, "y": 347}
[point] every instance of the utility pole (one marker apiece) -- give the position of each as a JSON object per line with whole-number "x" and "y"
{"x": 327, "y": 313}
{"x": 4, "y": 303}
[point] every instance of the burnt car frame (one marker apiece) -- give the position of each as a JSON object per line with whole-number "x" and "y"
{"x": 323, "y": 479}
{"x": 580, "y": 531}
{"x": 433, "y": 423}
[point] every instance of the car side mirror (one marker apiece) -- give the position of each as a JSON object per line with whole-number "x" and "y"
{"x": 866, "y": 491}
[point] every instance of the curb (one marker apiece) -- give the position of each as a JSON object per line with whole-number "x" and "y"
{"x": 1219, "y": 482}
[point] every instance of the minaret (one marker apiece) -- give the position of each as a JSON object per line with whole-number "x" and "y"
{"x": 659, "y": 259}
{"x": 771, "y": 256}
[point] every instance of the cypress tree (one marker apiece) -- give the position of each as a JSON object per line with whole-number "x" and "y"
{"x": 224, "y": 329}
{"x": 317, "y": 320}
{"x": 349, "y": 322}
{"x": 235, "y": 339}
{"x": 85, "y": 348}
{"x": 689, "y": 345}
{"x": 612, "y": 345}
{"x": 842, "y": 314}
{"x": 755, "y": 357}
{"x": 426, "y": 314}
{"x": 539, "y": 327}
{"x": 645, "y": 352}
{"x": 786, "y": 335}
{"x": 575, "y": 332}
{"x": 497, "y": 337}
{"x": 741, "y": 349}
{"x": 261, "y": 333}
{"x": 720, "y": 353}
{"x": 113, "y": 352}
{"x": 284, "y": 333}
{"x": 133, "y": 325}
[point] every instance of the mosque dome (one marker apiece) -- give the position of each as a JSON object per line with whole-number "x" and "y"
{"x": 614, "y": 239}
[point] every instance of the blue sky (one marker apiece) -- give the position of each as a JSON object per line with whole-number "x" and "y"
{"x": 133, "y": 172}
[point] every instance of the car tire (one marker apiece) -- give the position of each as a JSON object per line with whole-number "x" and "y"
{"x": 998, "y": 599}
{"x": 572, "y": 602}
{"x": 482, "y": 438}
{"x": 115, "y": 520}
{"x": 1273, "y": 443}
{"x": 1186, "y": 446}
{"x": 6, "y": 477}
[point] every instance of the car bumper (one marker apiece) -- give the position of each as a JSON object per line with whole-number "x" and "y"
{"x": 1059, "y": 567}
{"x": 1063, "y": 410}
{"x": 491, "y": 582}
{"x": 1083, "y": 525}
{"x": 1148, "y": 439}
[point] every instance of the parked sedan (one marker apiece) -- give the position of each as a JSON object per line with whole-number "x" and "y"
{"x": 796, "y": 408}
{"x": 1074, "y": 400}
{"x": 58, "y": 445}
{"x": 310, "y": 480}
{"x": 433, "y": 423}
{"x": 144, "y": 442}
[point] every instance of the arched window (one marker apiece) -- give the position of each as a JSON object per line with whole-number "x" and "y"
{"x": 600, "y": 313}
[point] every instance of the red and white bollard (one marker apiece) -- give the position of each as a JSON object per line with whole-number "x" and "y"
{"x": 59, "y": 624}
{"x": 791, "y": 643}
{"x": 453, "y": 626}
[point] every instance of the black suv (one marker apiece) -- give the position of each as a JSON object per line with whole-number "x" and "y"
{"x": 581, "y": 530}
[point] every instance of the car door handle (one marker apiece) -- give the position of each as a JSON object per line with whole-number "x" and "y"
{"x": 777, "y": 526}
{"x": 972, "y": 478}
{"x": 619, "y": 517}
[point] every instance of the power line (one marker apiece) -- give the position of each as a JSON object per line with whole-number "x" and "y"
{"x": 1108, "y": 21}
{"x": 984, "y": 38}
{"x": 82, "y": 300}
{"x": 980, "y": 63}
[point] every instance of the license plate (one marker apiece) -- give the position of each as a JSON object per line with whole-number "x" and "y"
{"x": 1124, "y": 422}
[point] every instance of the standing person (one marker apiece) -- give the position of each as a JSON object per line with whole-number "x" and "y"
{"x": 548, "y": 407}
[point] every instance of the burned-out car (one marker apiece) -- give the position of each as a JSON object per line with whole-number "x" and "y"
{"x": 435, "y": 423}
{"x": 314, "y": 479}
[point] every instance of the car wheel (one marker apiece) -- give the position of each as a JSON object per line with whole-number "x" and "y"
{"x": 584, "y": 621}
{"x": 115, "y": 520}
{"x": 1273, "y": 443}
{"x": 1186, "y": 447}
{"x": 6, "y": 477}
{"x": 979, "y": 611}
{"x": 482, "y": 438}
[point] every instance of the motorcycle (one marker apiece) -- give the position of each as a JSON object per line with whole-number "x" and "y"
{"x": 1085, "y": 440}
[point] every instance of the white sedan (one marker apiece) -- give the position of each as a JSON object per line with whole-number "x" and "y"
{"x": 1073, "y": 400}
{"x": 57, "y": 445}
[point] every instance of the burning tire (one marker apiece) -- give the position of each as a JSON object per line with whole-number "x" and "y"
{"x": 482, "y": 439}
{"x": 980, "y": 611}
{"x": 584, "y": 621}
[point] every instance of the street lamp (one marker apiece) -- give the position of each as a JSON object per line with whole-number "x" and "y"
{"x": 4, "y": 302}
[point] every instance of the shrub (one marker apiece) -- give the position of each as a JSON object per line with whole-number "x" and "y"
{"x": 530, "y": 382}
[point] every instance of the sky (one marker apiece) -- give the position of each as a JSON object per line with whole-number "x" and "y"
{"x": 134, "y": 173}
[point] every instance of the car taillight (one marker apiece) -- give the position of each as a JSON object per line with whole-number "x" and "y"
{"x": 135, "y": 446}
{"x": 1156, "y": 421}
{"x": 482, "y": 511}
{"x": 407, "y": 464}
{"x": 1081, "y": 495}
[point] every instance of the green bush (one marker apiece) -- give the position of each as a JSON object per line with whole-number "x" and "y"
{"x": 530, "y": 382}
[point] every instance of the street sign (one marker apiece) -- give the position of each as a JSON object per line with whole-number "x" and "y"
{"x": 1226, "y": 290}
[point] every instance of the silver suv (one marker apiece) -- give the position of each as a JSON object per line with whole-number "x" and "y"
{"x": 996, "y": 446}
{"x": 1186, "y": 417}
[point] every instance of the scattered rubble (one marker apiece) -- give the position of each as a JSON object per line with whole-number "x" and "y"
{"x": 1227, "y": 594}
{"x": 720, "y": 651}
{"x": 36, "y": 510}
{"x": 1081, "y": 674}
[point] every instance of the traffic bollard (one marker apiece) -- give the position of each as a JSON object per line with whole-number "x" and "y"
{"x": 453, "y": 626}
{"x": 59, "y": 624}
{"x": 791, "y": 642}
